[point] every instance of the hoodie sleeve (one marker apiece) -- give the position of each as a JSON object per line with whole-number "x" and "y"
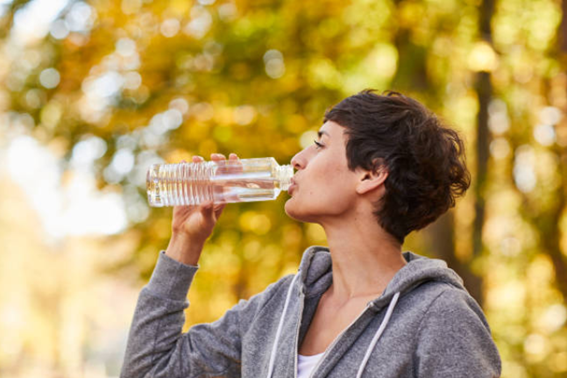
{"x": 455, "y": 340}
{"x": 156, "y": 345}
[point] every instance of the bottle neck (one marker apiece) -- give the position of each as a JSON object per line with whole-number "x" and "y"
{"x": 285, "y": 173}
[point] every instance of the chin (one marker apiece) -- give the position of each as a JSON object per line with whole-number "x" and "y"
{"x": 293, "y": 212}
{"x": 289, "y": 210}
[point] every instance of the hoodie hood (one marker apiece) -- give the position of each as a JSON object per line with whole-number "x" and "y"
{"x": 316, "y": 275}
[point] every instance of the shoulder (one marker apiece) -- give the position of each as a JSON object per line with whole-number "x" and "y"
{"x": 454, "y": 337}
{"x": 270, "y": 297}
{"x": 275, "y": 289}
{"x": 450, "y": 304}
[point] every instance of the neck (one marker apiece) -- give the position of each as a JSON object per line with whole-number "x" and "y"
{"x": 365, "y": 258}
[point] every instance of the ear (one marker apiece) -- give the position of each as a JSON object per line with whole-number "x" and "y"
{"x": 371, "y": 180}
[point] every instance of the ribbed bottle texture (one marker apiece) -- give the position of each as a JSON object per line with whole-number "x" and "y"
{"x": 224, "y": 181}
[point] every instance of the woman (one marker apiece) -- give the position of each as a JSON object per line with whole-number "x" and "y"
{"x": 383, "y": 166}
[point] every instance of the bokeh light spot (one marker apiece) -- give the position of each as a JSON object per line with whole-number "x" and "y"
{"x": 49, "y": 78}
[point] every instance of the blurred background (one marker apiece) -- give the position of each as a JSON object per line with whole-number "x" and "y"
{"x": 93, "y": 92}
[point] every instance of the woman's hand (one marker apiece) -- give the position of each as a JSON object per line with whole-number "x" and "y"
{"x": 192, "y": 225}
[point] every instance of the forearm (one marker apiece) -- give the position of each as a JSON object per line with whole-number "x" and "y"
{"x": 184, "y": 250}
{"x": 158, "y": 320}
{"x": 157, "y": 347}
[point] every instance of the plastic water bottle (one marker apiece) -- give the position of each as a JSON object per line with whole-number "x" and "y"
{"x": 223, "y": 181}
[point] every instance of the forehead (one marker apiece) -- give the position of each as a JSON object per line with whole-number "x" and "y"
{"x": 332, "y": 130}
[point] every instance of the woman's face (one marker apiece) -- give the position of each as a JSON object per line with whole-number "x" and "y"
{"x": 323, "y": 186}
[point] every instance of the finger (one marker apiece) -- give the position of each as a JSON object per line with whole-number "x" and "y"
{"x": 179, "y": 211}
{"x": 236, "y": 166}
{"x": 219, "y": 209}
{"x": 217, "y": 157}
{"x": 207, "y": 205}
{"x": 207, "y": 211}
{"x": 197, "y": 159}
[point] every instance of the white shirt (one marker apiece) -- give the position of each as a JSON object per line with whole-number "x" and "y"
{"x": 306, "y": 364}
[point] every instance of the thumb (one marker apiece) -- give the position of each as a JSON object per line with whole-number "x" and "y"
{"x": 208, "y": 213}
{"x": 218, "y": 210}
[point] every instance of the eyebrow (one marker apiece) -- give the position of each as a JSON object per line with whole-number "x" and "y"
{"x": 321, "y": 132}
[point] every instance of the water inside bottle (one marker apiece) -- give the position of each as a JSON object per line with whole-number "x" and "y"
{"x": 223, "y": 182}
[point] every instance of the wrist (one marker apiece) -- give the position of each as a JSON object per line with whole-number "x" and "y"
{"x": 184, "y": 250}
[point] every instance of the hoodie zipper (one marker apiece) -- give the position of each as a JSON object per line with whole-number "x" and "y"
{"x": 337, "y": 339}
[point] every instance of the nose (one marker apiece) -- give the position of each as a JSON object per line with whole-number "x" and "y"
{"x": 299, "y": 161}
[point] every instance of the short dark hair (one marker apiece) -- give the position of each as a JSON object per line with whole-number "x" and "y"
{"x": 425, "y": 159}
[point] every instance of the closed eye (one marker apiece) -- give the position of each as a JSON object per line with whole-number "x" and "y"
{"x": 319, "y": 145}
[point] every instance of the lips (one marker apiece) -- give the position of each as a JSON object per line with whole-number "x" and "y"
{"x": 291, "y": 189}
{"x": 292, "y": 186}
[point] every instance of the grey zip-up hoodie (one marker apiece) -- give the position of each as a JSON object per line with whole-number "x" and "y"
{"x": 424, "y": 324}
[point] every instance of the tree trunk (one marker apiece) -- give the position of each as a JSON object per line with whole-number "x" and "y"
{"x": 550, "y": 234}
{"x": 563, "y": 30}
{"x": 551, "y": 231}
{"x": 441, "y": 236}
{"x": 483, "y": 88}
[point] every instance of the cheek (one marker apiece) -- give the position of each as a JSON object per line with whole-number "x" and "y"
{"x": 327, "y": 181}
{"x": 322, "y": 198}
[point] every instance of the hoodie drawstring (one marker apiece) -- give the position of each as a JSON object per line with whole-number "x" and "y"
{"x": 378, "y": 334}
{"x": 368, "y": 350}
{"x": 280, "y": 326}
